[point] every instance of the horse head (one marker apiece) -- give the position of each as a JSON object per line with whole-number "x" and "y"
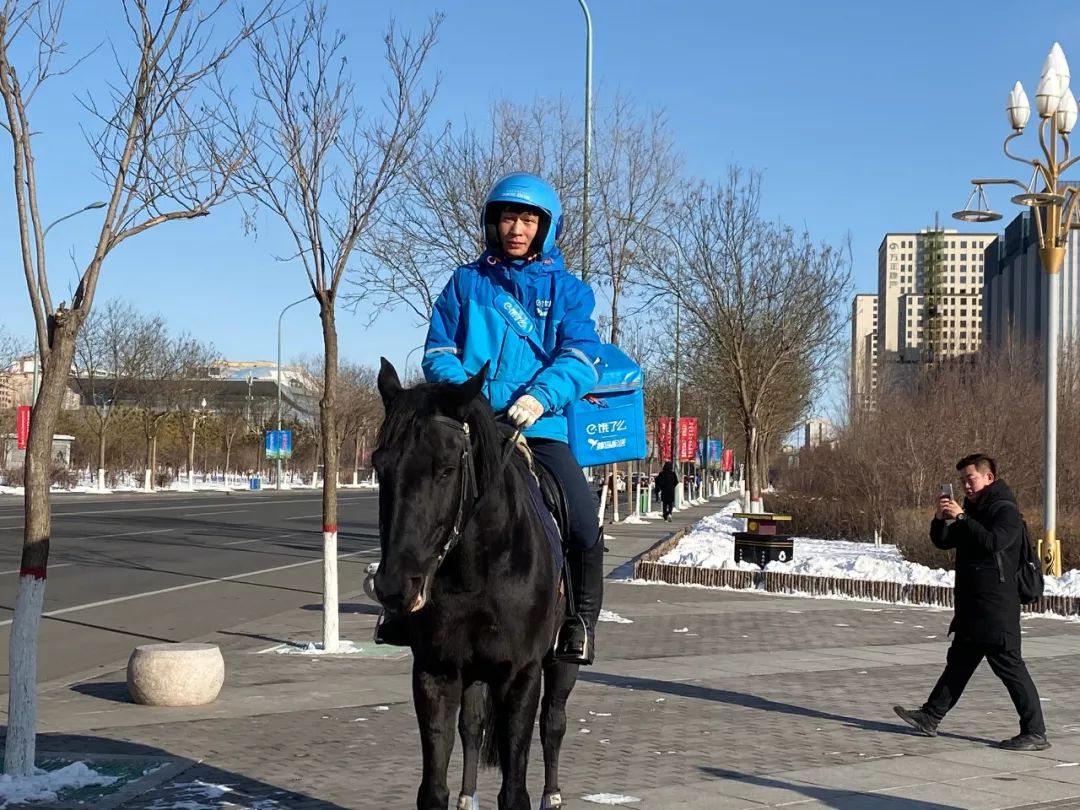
{"x": 426, "y": 460}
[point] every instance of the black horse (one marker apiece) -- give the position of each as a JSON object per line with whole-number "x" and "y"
{"x": 465, "y": 556}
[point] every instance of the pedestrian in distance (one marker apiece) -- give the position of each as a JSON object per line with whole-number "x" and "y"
{"x": 986, "y": 532}
{"x": 518, "y": 308}
{"x": 666, "y": 482}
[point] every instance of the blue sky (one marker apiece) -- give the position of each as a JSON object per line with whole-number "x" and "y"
{"x": 864, "y": 117}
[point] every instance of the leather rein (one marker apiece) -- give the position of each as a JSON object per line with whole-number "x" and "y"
{"x": 469, "y": 490}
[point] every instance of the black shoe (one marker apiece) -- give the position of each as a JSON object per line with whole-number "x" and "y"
{"x": 392, "y": 630}
{"x": 1025, "y": 742}
{"x": 576, "y": 642}
{"x": 918, "y": 720}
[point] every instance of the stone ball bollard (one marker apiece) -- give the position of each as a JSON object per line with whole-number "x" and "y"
{"x": 185, "y": 674}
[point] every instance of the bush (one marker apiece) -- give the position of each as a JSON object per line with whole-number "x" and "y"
{"x": 163, "y": 479}
{"x": 59, "y": 477}
{"x": 821, "y": 516}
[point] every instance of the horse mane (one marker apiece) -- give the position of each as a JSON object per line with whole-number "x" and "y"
{"x": 412, "y": 407}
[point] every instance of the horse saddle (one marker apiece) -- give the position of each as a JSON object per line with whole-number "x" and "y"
{"x": 549, "y": 500}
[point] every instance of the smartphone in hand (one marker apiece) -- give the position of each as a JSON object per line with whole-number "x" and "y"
{"x": 946, "y": 491}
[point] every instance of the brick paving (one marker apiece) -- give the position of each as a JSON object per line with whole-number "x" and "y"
{"x": 709, "y": 699}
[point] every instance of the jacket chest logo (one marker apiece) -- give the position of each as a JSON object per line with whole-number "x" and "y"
{"x": 543, "y": 307}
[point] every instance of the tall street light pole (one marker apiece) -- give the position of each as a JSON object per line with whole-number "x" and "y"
{"x": 277, "y": 481}
{"x": 1053, "y": 209}
{"x": 588, "y": 142}
{"x": 37, "y": 341}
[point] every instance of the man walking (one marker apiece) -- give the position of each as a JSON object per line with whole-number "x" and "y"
{"x": 666, "y": 482}
{"x": 986, "y": 533}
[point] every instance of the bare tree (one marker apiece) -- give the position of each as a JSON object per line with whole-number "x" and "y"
{"x": 433, "y": 225}
{"x": 155, "y": 144}
{"x": 115, "y": 347}
{"x": 323, "y": 166}
{"x": 766, "y": 300}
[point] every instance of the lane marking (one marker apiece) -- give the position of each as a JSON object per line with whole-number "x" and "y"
{"x": 173, "y": 589}
{"x": 260, "y": 539}
{"x": 152, "y": 508}
{"x": 51, "y": 568}
{"x": 226, "y": 512}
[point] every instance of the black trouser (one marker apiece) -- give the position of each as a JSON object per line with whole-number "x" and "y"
{"x": 669, "y": 506}
{"x": 962, "y": 661}
{"x": 581, "y": 505}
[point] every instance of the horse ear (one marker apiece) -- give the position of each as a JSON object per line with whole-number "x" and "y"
{"x": 471, "y": 388}
{"x": 389, "y": 384}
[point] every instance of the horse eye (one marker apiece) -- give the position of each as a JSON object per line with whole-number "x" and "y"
{"x": 446, "y": 473}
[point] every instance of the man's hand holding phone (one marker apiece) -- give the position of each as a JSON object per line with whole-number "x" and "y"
{"x": 948, "y": 508}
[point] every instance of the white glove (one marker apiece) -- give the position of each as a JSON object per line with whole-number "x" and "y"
{"x": 525, "y": 411}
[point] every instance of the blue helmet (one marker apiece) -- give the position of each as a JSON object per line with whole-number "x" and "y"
{"x": 522, "y": 188}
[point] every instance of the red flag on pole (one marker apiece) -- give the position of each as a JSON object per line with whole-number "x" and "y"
{"x": 22, "y": 430}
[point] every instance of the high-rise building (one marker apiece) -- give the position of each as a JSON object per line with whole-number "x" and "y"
{"x": 863, "y": 351}
{"x": 1014, "y": 305}
{"x": 929, "y": 296}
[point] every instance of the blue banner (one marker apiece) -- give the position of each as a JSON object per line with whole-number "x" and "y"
{"x": 279, "y": 444}
{"x": 716, "y": 448}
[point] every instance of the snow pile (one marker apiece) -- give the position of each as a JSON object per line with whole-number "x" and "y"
{"x": 610, "y": 616}
{"x": 711, "y": 544}
{"x": 200, "y": 795}
{"x": 44, "y": 785}
{"x": 313, "y": 648}
{"x": 610, "y": 798}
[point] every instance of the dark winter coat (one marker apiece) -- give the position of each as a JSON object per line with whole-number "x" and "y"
{"x": 987, "y": 604}
{"x": 666, "y": 481}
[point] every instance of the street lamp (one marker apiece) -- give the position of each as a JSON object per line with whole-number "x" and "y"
{"x": 1053, "y": 209}
{"x": 277, "y": 484}
{"x": 678, "y": 329}
{"x": 37, "y": 342}
{"x": 588, "y": 142}
{"x": 196, "y": 413}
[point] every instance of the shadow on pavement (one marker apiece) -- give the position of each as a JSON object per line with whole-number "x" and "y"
{"x": 348, "y": 607}
{"x": 116, "y": 691}
{"x": 831, "y": 797}
{"x": 170, "y": 780}
{"x": 715, "y": 695}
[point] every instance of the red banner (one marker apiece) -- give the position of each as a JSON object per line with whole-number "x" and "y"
{"x": 688, "y": 438}
{"x": 22, "y": 429}
{"x": 727, "y": 460}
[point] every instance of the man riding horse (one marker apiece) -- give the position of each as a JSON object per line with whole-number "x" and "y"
{"x": 519, "y": 308}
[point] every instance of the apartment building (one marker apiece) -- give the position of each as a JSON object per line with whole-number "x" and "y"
{"x": 864, "y": 351}
{"x": 929, "y": 296}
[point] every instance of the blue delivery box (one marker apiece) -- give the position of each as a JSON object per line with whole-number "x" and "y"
{"x": 608, "y": 425}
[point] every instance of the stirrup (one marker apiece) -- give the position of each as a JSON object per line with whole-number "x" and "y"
{"x": 585, "y": 656}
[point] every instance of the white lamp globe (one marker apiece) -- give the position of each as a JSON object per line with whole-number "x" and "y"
{"x": 1048, "y": 96}
{"x": 1018, "y": 107}
{"x": 1066, "y": 114}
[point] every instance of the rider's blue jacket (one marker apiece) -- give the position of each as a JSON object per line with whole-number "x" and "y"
{"x": 532, "y": 320}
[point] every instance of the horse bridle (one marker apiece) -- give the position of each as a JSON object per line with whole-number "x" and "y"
{"x": 468, "y": 483}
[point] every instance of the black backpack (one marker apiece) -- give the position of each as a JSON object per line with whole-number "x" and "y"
{"x": 1029, "y": 573}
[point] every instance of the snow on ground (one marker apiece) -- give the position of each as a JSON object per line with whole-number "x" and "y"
{"x": 199, "y": 795}
{"x": 710, "y": 544}
{"x": 44, "y": 785}
{"x": 610, "y": 616}
{"x": 610, "y": 798}
{"x": 314, "y": 648}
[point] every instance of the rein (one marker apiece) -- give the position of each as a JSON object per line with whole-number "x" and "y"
{"x": 468, "y": 484}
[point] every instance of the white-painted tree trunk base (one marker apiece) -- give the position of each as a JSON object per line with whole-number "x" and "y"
{"x": 330, "y": 592}
{"x": 355, "y": 478}
{"x": 22, "y": 683}
{"x": 101, "y": 478}
{"x": 191, "y": 479}
{"x": 148, "y": 483}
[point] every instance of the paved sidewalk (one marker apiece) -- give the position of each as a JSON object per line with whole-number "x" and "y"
{"x": 708, "y": 699}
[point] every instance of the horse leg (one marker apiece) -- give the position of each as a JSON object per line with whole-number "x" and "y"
{"x": 471, "y": 728}
{"x": 515, "y": 701}
{"x": 436, "y": 696}
{"x": 559, "y": 680}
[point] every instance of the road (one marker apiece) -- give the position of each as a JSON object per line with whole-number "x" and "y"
{"x": 133, "y": 569}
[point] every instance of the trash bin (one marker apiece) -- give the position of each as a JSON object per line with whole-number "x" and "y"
{"x": 256, "y": 483}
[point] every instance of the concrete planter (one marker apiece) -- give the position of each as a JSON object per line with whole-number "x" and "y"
{"x": 175, "y": 674}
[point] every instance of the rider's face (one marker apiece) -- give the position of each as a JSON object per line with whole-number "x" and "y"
{"x": 517, "y": 229}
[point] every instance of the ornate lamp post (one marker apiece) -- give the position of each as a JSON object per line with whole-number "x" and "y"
{"x": 1053, "y": 210}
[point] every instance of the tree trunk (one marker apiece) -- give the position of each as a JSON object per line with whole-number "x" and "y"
{"x": 753, "y": 482}
{"x": 328, "y": 416}
{"x": 23, "y": 645}
{"x": 101, "y": 457}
